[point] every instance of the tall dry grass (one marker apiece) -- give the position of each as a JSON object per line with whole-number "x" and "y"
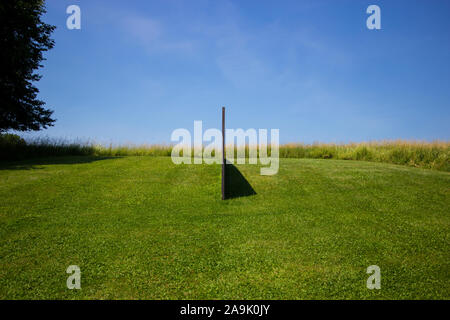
{"x": 431, "y": 155}
{"x": 422, "y": 154}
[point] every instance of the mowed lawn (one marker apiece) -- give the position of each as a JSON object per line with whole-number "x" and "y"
{"x": 144, "y": 228}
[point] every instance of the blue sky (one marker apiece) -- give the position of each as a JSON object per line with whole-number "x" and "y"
{"x": 137, "y": 70}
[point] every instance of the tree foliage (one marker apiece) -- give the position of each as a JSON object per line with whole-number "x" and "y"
{"x": 23, "y": 39}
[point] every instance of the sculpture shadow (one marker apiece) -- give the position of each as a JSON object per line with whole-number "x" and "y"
{"x": 235, "y": 183}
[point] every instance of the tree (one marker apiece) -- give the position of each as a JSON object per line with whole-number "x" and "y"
{"x": 23, "y": 39}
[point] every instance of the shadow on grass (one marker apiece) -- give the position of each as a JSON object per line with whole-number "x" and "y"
{"x": 236, "y": 184}
{"x": 34, "y": 163}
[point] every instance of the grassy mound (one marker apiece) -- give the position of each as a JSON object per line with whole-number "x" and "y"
{"x": 142, "y": 227}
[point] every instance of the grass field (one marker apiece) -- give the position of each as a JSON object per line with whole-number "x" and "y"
{"x": 420, "y": 154}
{"x": 144, "y": 228}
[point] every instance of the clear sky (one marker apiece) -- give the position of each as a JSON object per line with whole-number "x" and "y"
{"x": 137, "y": 70}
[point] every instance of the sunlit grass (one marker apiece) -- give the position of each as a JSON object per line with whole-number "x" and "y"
{"x": 145, "y": 228}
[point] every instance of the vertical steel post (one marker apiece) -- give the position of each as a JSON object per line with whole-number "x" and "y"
{"x": 223, "y": 153}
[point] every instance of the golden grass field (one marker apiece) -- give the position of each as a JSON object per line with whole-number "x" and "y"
{"x": 422, "y": 154}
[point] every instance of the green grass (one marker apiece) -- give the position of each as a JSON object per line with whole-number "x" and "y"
{"x": 144, "y": 228}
